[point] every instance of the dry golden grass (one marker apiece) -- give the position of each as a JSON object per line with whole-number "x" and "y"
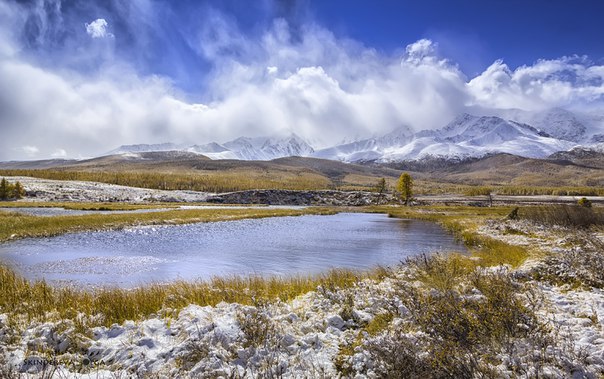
{"x": 463, "y": 222}
{"x": 192, "y": 180}
{"x": 88, "y": 206}
{"x": 14, "y": 225}
{"x": 37, "y": 300}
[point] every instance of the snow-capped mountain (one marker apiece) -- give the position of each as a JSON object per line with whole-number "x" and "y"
{"x": 213, "y": 151}
{"x": 367, "y": 149}
{"x": 259, "y": 148}
{"x": 264, "y": 148}
{"x": 144, "y": 148}
{"x": 465, "y": 136}
{"x": 557, "y": 122}
{"x": 528, "y": 134}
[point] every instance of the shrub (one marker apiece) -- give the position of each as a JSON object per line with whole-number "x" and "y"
{"x": 584, "y": 202}
{"x": 465, "y": 325}
{"x": 583, "y": 264}
{"x": 10, "y": 191}
{"x": 563, "y": 215}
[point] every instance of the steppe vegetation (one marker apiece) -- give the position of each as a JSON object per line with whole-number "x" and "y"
{"x": 485, "y": 314}
{"x": 15, "y": 225}
{"x": 239, "y": 180}
{"x": 217, "y": 181}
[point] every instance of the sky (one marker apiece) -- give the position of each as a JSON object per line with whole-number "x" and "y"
{"x": 79, "y": 78}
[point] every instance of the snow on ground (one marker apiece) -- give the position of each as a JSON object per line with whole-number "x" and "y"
{"x": 297, "y": 339}
{"x": 303, "y": 340}
{"x": 300, "y": 338}
{"x": 64, "y": 190}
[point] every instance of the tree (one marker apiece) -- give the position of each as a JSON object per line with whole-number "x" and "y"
{"x": 18, "y": 191}
{"x": 405, "y": 187}
{"x": 4, "y": 189}
{"x": 380, "y": 187}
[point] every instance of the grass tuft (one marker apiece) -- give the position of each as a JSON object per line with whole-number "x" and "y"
{"x": 36, "y": 300}
{"x": 575, "y": 216}
{"x": 14, "y": 225}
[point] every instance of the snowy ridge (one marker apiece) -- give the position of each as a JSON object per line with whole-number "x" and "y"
{"x": 144, "y": 148}
{"x": 557, "y": 122}
{"x": 513, "y": 131}
{"x": 368, "y": 149}
{"x": 259, "y": 148}
{"x": 465, "y": 136}
{"x": 264, "y": 148}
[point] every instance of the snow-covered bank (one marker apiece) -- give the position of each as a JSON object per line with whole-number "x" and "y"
{"x": 304, "y": 338}
{"x": 46, "y": 190}
{"x": 508, "y": 323}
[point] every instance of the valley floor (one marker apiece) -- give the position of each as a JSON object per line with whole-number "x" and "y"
{"x": 47, "y": 190}
{"x": 438, "y": 316}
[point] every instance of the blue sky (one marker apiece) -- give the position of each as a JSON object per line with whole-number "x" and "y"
{"x": 146, "y": 71}
{"x": 473, "y": 32}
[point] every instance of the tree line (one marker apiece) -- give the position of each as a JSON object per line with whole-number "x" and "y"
{"x": 9, "y": 191}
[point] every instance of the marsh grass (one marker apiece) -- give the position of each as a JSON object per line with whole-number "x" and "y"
{"x": 14, "y": 225}
{"x": 442, "y": 272}
{"x": 463, "y": 222}
{"x": 574, "y": 216}
{"x": 580, "y": 266}
{"x": 467, "y": 326}
{"x": 88, "y": 206}
{"x": 37, "y": 300}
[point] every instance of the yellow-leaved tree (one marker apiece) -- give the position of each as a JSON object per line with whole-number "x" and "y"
{"x": 405, "y": 187}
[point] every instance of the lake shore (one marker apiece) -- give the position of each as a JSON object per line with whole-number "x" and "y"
{"x": 352, "y": 327}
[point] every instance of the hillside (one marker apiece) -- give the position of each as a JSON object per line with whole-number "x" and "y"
{"x": 181, "y": 170}
{"x": 189, "y": 171}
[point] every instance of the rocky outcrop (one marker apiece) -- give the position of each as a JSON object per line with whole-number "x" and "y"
{"x": 287, "y": 197}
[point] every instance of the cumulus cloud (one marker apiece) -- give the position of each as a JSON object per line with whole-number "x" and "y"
{"x": 561, "y": 82}
{"x": 277, "y": 80}
{"x": 98, "y": 29}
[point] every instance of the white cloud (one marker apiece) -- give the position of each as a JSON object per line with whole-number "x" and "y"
{"x": 322, "y": 87}
{"x": 98, "y": 29}
{"x": 564, "y": 82}
{"x": 421, "y": 51}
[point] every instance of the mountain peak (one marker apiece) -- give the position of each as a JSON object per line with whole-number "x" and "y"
{"x": 143, "y": 148}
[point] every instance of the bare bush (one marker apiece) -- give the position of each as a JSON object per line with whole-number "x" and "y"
{"x": 583, "y": 264}
{"x": 564, "y": 215}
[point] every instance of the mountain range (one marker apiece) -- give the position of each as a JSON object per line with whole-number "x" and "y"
{"x": 526, "y": 134}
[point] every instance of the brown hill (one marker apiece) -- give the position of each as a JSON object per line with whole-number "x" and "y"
{"x": 191, "y": 171}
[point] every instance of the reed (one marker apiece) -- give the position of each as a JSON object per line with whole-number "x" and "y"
{"x": 39, "y": 300}
{"x": 14, "y": 225}
{"x": 574, "y": 216}
{"x": 463, "y": 222}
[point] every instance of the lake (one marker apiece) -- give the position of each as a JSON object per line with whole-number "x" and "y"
{"x": 269, "y": 246}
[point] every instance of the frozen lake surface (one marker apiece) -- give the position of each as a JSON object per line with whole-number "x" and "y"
{"x": 278, "y": 245}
